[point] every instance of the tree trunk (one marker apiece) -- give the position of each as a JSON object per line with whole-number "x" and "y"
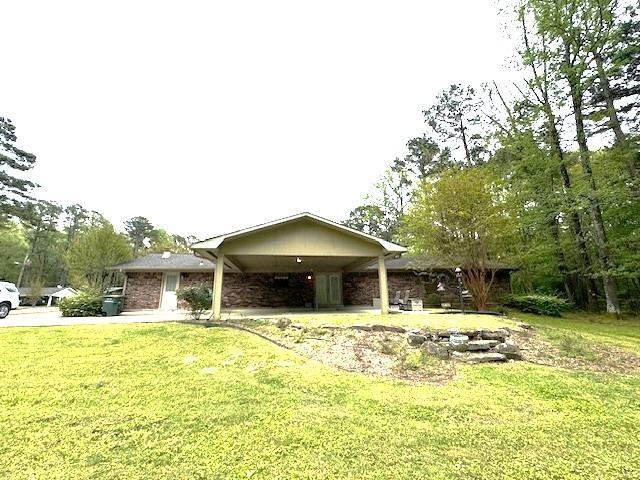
{"x": 614, "y": 121}
{"x": 467, "y": 154}
{"x": 598, "y": 230}
{"x": 569, "y": 286}
{"x": 576, "y": 225}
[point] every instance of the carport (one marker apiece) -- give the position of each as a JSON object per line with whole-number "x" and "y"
{"x": 300, "y": 244}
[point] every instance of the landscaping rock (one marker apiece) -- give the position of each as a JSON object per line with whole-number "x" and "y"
{"x": 283, "y": 323}
{"x": 439, "y": 350}
{"x": 481, "y": 344}
{"x": 458, "y": 342}
{"x": 415, "y": 340}
{"x": 510, "y": 350}
{"x": 499, "y": 334}
{"x": 479, "y": 357}
{"x": 364, "y": 328}
{"x": 387, "y": 328}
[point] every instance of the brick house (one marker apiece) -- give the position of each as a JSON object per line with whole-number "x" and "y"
{"x": 300, "y": 261}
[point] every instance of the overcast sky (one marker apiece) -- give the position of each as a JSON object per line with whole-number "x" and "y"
{"x": 210, "y": 116}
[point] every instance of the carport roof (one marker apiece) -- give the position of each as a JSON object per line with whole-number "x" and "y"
{"x": 215, "y": 242}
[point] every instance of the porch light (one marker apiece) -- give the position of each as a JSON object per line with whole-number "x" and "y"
{"x": 298, "y": 260}
{"x": 308, "y": 277}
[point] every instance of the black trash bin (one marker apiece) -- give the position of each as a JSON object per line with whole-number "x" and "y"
{"x": 111, "y": 305}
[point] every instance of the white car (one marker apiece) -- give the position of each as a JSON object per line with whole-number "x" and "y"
{"x": 9, "y": 298}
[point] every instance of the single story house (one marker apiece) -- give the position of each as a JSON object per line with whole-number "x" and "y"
{"x": 299, "y": 261}
{"x": 46, "y": 295}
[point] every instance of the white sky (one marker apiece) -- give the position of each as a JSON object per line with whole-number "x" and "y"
{"x": 211, "y": 116}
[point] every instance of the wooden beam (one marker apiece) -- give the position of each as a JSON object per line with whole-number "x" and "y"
{"x": 357, "y": 264}
{"x": 384, "y": 289}
{"x": 217, "y": 286}
{"x": 233, "y": 264}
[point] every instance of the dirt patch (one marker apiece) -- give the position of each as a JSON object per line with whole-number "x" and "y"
{"x": 388, "y": 354}
{"x": 572, "y": 351}
{"x": 375, "y": 353}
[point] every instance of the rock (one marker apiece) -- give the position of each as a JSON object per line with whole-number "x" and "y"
{"x": 415, "y": 340}
{"x": 283, "y": 323}
{"x": 299, "y": 326}
{"x": 479, "y": 357}
{"x": 364, "y": 328}
{"x": 330, "y": 327}
{"x": 525, "y": 326}
{"x": 436, "y": 349}
{"x": 499, "y": 334}
{"x": 387, "y": 328}
{"x": 481, "y": 344}
{"x": 509, "y": 350}
{"x": 458, "y": 342}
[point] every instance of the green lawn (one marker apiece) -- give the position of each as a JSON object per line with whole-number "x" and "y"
{"x": 623, "y": 333}
{"x": 414, "y": 319}
{"x": 181, "y": 401}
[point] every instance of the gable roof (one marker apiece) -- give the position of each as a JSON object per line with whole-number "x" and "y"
{"x": 215, "y": 242}
{"x": 158, "y": 261}
{"x": 46, "y": 291}
{"x": 424, "y": 263}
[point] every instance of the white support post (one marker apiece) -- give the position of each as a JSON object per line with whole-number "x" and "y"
{"x": 384, "y": 290}
{"x": 217, "y": 286}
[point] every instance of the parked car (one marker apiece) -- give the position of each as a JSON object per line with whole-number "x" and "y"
{"x": 9, "y": 298}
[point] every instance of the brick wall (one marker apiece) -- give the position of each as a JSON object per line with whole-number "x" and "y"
{"x": 238, "y": 290}
{"x": 143, "y": 290}
{"x": 263, "y": 290}
{"x": 360, "y": 288}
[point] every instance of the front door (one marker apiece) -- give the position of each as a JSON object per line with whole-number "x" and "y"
{"x": 328, "y": 289}
{"x": 170, "y": 287}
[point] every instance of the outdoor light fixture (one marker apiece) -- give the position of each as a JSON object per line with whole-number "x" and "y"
{"x": 458, "y": 271}
{"x": 298, "y": 260}
{"x": 308, "y": 277}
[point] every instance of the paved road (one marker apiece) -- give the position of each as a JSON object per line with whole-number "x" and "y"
{"x": 46, "y": 316}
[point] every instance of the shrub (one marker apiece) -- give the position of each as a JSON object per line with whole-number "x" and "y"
{"x": 433, "y": 299}
{"x": 539, "y": 304}
{"x": 198, "y": 298}
{"x": 82, "y": 304}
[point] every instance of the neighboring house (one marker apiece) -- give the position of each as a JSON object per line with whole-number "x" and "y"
{"x": 45, "y": 296}
{"x": 299, "y": 261}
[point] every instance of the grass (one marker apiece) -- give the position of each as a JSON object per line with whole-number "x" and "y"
{"x": 439, "y": 321}
{"x": 622, "y": 333}
{"x": 179, "y": 401}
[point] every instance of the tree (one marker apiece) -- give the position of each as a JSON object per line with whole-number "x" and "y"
{"x": 163, "y": 241}
{"x": 368, "y": 219}
{"x": 14, "y": 191}
{"x": 13, "y": 248}
{"x": 40, "y": 219}
{"x": 463, "y": 217}
{"x": 455, "y": 117}
{"x": 93, "y": 251}
{"x": 139, "y": 230}
{"x": 572, "y": 25}
{"x": 425, "y": 158}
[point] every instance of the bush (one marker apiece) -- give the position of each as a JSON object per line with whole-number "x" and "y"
{"x": 198, "y": 298}
{"x": 82, "y": 304}
{"x": 539, "y": 304}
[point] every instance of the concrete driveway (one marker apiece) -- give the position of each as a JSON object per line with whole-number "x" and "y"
{"x": 50, "y": 316}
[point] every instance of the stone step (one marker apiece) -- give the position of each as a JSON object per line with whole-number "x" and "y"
{"x": 481, "y": 344}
